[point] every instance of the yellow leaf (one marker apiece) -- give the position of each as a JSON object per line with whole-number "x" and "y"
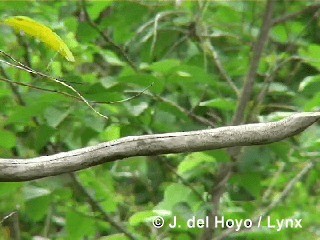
{"x": 41, "y": 32}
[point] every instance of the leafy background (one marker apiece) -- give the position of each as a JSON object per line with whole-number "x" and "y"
{"x": 121, "y": 49}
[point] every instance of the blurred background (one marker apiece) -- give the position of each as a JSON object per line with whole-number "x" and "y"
{"x": 196, "y": 55}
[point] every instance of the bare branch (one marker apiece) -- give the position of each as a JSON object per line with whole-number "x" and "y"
{"x": 118, "y": 49}
{"x": 257, "y": 53}
{"x": 155, "y": 144}
{"x": 23, "y": 67}
{"x": 182, "y": 179}
{"x": 225, "y": 170}
{"x": 95, "y": 205}
{"x": 308, "y": 10}
{"x": 192, "y": 115}
{"x": 284, "y": 194}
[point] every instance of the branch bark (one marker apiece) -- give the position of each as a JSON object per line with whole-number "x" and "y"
{"x": 257, "y": 53}
{"x": 225, "y": 170}
{"x": 146, "y": 145}
{"x": 308, "y": 10}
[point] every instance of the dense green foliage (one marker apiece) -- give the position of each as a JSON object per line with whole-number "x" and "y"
{"x": 127, "y": 46}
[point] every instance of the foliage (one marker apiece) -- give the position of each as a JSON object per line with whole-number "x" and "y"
{"x": 122, "y": 47}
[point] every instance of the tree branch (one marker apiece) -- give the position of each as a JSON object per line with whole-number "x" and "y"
{"x": 118, "y": 49}
{"x": 95, "y": 205}
{"x": 283, "y": 195}
{"x": 225, "y": 170}
{"x": 308, "y": 10}
{"x": 257, "y": 53}
{"x": 155, "y": 144}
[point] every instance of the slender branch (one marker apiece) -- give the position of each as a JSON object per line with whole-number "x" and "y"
{"x": 200, "y": 31}
{"x": 14, "y": 88}
{"x": 192, "y": 115}
{"x": 11, "y": 82}
{"x": 225, "y": 170}
{"x": 273, "y": 183}
{"x": 12, "y": 222}
{"x": 118, "y": 49}
{"x": 257, "y": 53}
{"x": 284, "y": 194}
{"x": 27, "y": 54}
{"x": 96, "y": 206}
{"x": 308, "y": 10}
{"x": 138, "y": 93}
{"x": 23, "y": 67}
{"x": 255, "y": 110}
{"x": 151, "y": 22}
{"x": 288, "y": 189}
{"x": 182, "y": 179}
{"x": 222, "y": 71}
{"x": 155, "y": 144}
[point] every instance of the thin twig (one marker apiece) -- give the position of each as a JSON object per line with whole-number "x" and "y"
{"x": 274, "y": 180}
{"x": 7, "y": 216}
{"x": 284, "y": 194}
{"x": 310, "y": 9}
{"x": 108, "y": 40}
{"x": 278, "y": 65}
{"x": 192, "y": 115}
{"x": 155, "y": 31}
{"x": 38, "y": 88}
{"x": 201, "y": 30}
{"x": 288, "y": 189}
{"x": 222, "y": 71}
{"x": 225, "y": 170}
{"x": 257, "y": 53}
{"x": 23, "y": 67}
{"x": 96, "y": 206}
{"x": 14, "y": 89}
{"x": 12, "y": 221}
{"x": 184, "y": 181}
{"x": 139, "y": 93}
{"x": 151, "y": 22}
{"x": 264, "y": 91}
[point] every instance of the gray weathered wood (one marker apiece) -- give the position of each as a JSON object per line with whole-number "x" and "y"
{"x": 156, "y": 144}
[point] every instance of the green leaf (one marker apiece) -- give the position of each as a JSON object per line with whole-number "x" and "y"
{"x": 42, "y": 136}
{"x": 9, "y": 189}
{"x": 96, "y": 8}
{"x": 136, "y": 110}
{"x": 55, "y": 116}
{"x": 37, "y": 208}
{"x": 226, "y": 104}
{"x": 7, "y": 139}
{"x": 195, "y": 160}
{"x": 310, "y": 81}
{"x": 164, "y": 66}
{"x": 112, "y": 58}
{"x": 283, "y": 33}
{"x": 280, "y": 89}
{"x": 184, "y": 74}
{"x": 103, "y": 186}
{"x": 112, "y": 132}
{"x": 117, "y": 236}
{"x": 280, "y": 33}
{"x": 147, "y": 216}
{"x": 174, "y": 193}
{"x": 310, "y": 54}
{"x": 31, "y": 192}
{"x": 313, "y": 104}
{"x": 79, "y": 226}
{"x": 249, "y": 181}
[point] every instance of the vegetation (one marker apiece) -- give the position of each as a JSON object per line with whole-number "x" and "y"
{"x": 160, "y": 67}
